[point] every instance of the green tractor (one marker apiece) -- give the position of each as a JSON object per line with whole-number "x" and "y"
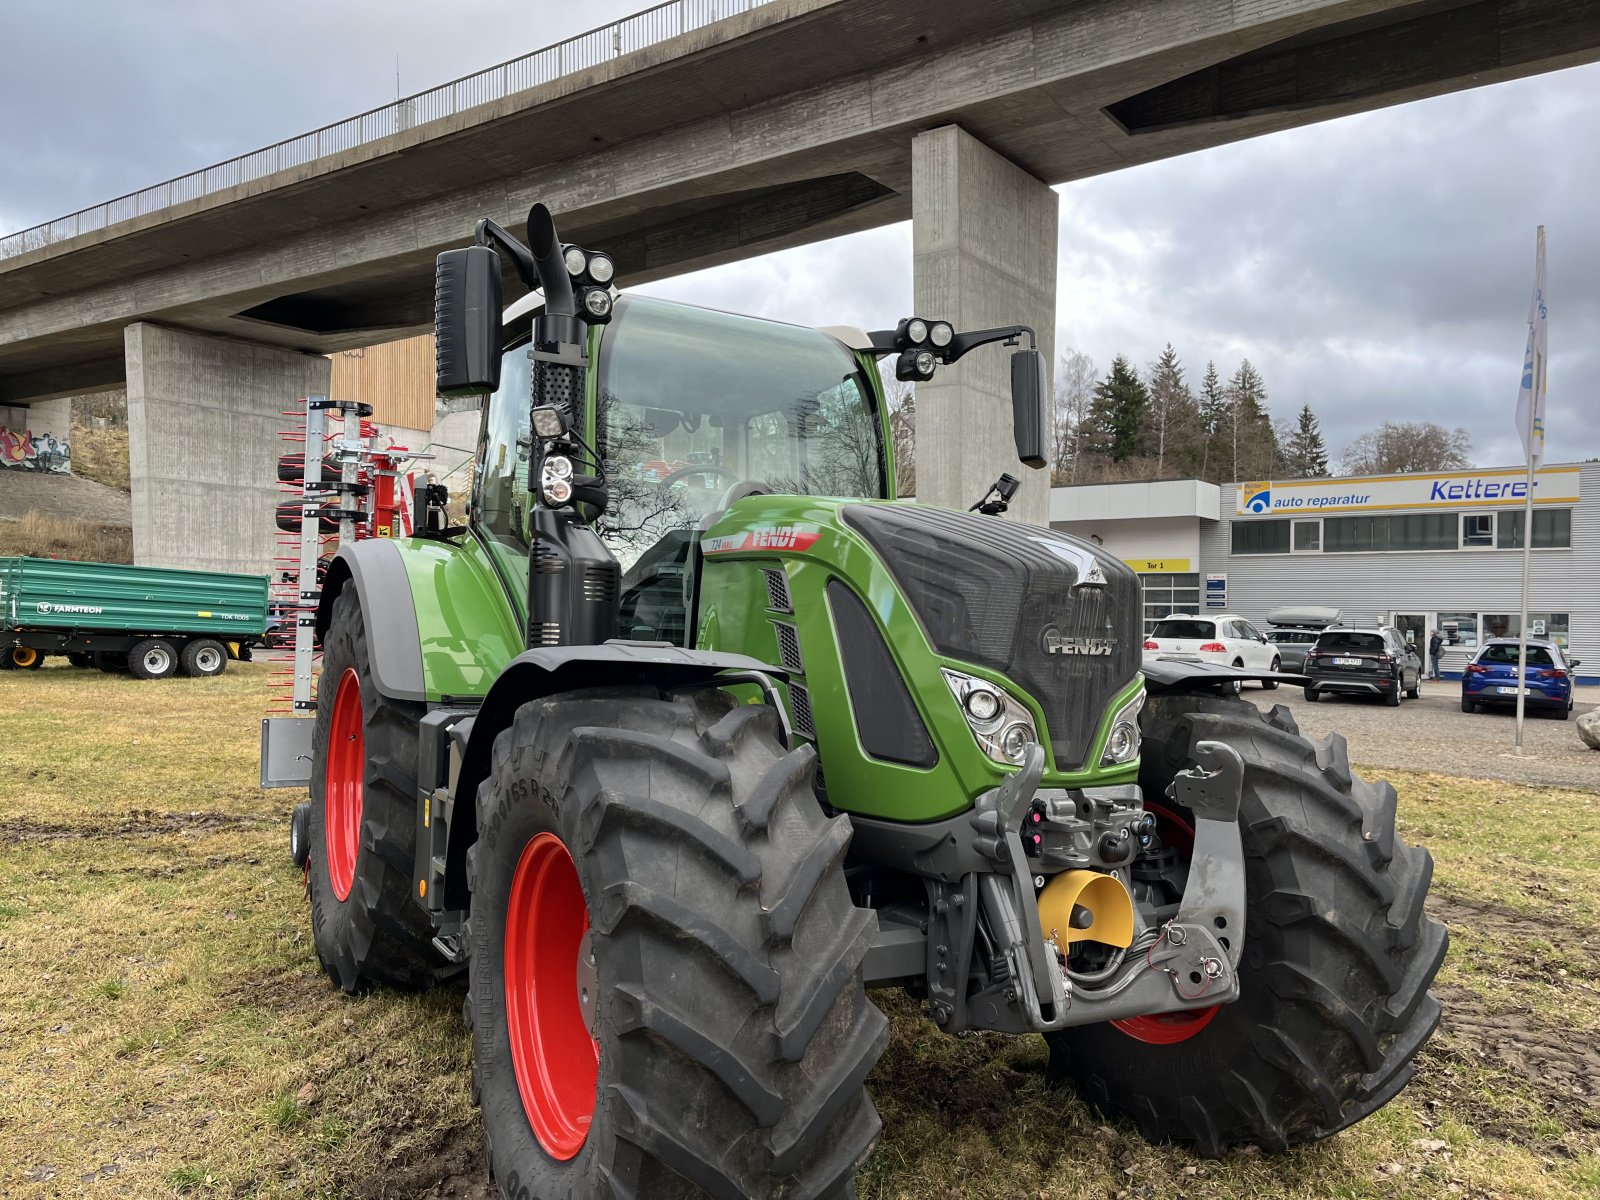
{"x": 693, "y": 733}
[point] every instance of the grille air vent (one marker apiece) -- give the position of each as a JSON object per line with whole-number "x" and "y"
{"x": 789, "y": 647}
{"x": 777, "y": 590}
{"x": 800, "y": 702}
{"x": 599, "y": 582}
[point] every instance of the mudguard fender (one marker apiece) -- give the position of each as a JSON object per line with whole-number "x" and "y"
{"x": 547, "y": 670}
{"x": 377, "y": 570}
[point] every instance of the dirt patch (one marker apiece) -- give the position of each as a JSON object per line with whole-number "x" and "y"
{"x": 1562, "y": 1069}
{"x": 135, "y": 823}
{"x": 453, "y": 1169}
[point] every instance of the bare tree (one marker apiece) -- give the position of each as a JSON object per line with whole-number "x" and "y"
{"x": 1075, "y": 381}
{"x": 1399, "y": 447}
{"x": 902, "y": 398}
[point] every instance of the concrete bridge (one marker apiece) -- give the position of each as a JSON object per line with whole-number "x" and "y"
{"x": 785, "y": 123}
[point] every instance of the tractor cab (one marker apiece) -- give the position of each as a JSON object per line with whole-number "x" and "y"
{"x": 689, "y": 410}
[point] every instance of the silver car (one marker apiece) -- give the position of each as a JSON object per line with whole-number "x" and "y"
{"x": 1295, "y": 630}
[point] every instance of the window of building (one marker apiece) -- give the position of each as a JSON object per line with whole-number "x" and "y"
{"x": 1540, "y": 625}
{"x": 1552, "y": 529}
{"x": 1168, "y": 594}
{"x": 1460, "y": 630}
{"x": 1308, "y": 536}
{"x": 1348, "y": 535}
{"x": 1477, "y": 531}
{"x": 1420, "y": 531}
{"x": 1260, "y": 537}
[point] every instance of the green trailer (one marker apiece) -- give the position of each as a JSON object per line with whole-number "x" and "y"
{"x": 150, "y": 621}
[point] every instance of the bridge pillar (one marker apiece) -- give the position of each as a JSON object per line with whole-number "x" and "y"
{"x": 983, "y": 238}
{"x": 204, "y": 414}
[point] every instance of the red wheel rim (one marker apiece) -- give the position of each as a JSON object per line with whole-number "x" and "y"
{"x": 345, "y": 782}
{"x": 556, "y": 1060}
{"x": 1166, "y": 1029}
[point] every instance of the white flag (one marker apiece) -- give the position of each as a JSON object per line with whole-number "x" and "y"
{"x": 1534, "y": 365}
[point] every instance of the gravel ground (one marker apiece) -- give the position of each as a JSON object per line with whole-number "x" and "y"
{"x": 1433, "y": 734}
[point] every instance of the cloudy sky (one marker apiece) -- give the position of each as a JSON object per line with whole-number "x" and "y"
{"x": 1375, "y": 267}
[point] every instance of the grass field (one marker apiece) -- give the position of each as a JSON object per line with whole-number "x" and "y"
{"x": 165, "y": 1030}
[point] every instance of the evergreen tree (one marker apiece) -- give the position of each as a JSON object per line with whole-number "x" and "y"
{"x": 1213, "y": 418}
{"x": 1252, "y": 443}
{"x": 1304, "y": 454}
{"x": 1173, "y": 417}
{"x": 1119, "y": 411}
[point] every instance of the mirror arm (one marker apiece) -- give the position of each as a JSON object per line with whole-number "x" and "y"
{"x": 487, "y": 232}
{"x": 885, "y": 341}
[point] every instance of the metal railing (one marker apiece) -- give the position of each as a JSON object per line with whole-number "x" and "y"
{"x": 578, "y": 53}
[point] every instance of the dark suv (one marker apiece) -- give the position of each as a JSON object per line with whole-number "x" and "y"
{"x": 1363, "y": 662}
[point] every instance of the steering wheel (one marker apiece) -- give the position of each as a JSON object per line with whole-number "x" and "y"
{"x": 672, "y": 477}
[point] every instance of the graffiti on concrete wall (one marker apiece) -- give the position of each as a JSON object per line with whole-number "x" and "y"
{"x": 26, "y": 451}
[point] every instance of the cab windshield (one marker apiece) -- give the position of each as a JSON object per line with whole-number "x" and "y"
{"x": 698, "y": 407}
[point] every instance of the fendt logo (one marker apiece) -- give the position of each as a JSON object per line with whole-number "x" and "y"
{"x": 1056, "y": 643}
{"x": 44, "y": 608}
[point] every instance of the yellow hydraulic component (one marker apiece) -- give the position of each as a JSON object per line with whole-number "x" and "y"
{"x": 1103, "y": 908}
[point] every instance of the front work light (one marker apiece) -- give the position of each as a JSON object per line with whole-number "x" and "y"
{"x": 601, "y": 268}
{"x": 940, "y": 333}
{"x": 576, "y": 260}
{"x": 549, "y": 422}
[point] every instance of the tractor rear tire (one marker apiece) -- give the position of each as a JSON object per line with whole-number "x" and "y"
{"x": 1334, "y": 1002}
{"x": 366, "y": 926}
{"x": 203, "y": 658}
{"x": 153, "y": 658}
{"x": 691, "y": 922}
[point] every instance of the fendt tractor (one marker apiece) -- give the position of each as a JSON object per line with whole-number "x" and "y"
{"x": 693, "y": 733}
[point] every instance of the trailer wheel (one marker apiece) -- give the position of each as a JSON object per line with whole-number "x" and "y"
{"x": 366, "y": 926}
{"x": 665, "y": 982}
{"x": 1334, "y": 1002}
{"x": 81, "y": 659}
{"x": 153, "y": 658}
{"x": 204, "y": 658}
{"x": 26, "y": 658}
{"x": 110, "y": 661}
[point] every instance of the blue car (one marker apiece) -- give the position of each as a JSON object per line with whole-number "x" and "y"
{"x": 1491, "y": 677}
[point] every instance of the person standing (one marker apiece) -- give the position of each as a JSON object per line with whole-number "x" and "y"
{"x": 1435, "y": 648}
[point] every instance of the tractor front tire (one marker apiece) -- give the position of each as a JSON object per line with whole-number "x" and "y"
{"x": 366, "y": 926}
{"x": 1334, "y": 1002}
{"x": 666, "y": 992}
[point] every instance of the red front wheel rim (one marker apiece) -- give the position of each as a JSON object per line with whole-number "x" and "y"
{"x": 554, "y": 1054}
{"x": 1168, "y": 1029}
{"x": 345, "y": 783}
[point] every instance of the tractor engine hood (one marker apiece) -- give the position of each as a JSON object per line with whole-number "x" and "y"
{"x": 1057, "y": 615}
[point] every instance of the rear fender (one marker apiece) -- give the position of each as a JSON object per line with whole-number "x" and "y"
{"x": 545, "y": 672}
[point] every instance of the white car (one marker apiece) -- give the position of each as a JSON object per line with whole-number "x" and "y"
{"x": 1225, "y": 638}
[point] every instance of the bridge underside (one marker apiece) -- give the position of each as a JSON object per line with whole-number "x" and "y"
{"x": 749, "y": 136}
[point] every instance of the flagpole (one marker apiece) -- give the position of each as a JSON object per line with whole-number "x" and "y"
{"x": 1527, "y": 566}
{"x": 1534, "y": 397}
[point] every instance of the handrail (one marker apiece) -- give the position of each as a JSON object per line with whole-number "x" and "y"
{"x": 577, "y": 53}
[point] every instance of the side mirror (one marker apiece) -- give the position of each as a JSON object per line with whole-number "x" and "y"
{"x": 466, "y": 321}
{"x": 1030, "y": 417}
{"x": 1574, "y": 663}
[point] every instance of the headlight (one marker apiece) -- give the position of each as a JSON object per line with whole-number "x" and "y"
{"x": 941, "y": 333}
{"x": 555, "y": 480}
{"x": 917, "y": 330}
{"x": 575, "y": 259}
{"x": 1122, "y": 743}
{"x": 597, "y": 301}
{"x": 558, "y": 466}
{"x": 1000, "y": 724}
{"x": 601, "y": 268}
{"x": 926, "y": 362}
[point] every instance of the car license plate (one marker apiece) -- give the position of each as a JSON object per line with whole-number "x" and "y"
{"x": 1511, "y": 691}
{"x": 1347, "y": 662}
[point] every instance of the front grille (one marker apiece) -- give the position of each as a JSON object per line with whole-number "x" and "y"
{"x": 1004, "y": 595}
{"x": 789, "y": 648}
{"x": 777, "y": 590}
